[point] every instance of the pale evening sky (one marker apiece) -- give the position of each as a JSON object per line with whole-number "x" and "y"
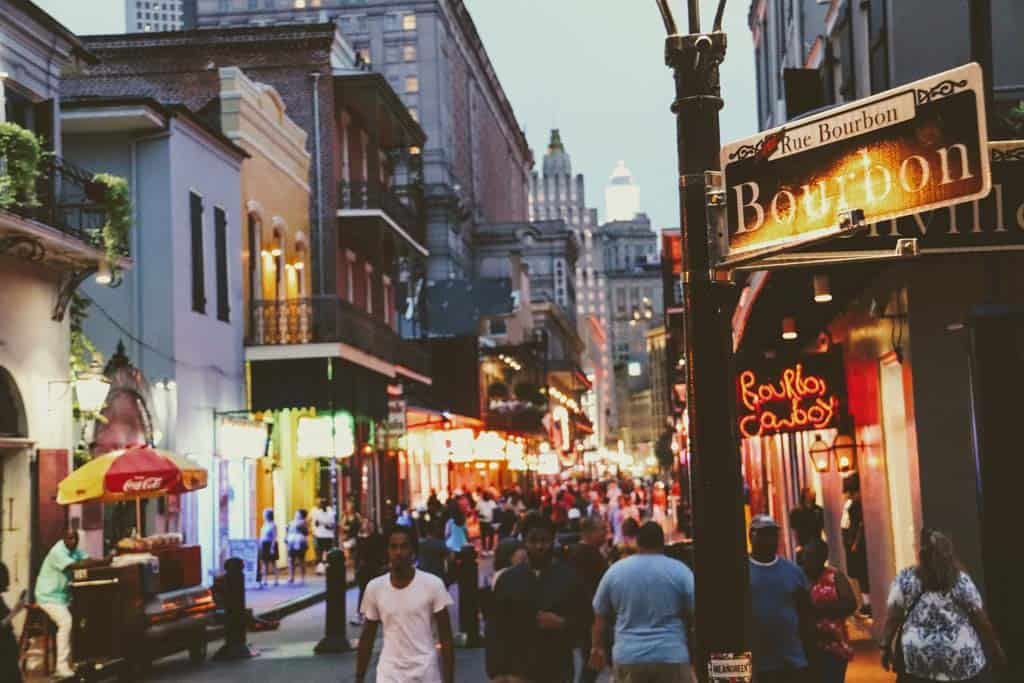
{"x": 593, "y": 68}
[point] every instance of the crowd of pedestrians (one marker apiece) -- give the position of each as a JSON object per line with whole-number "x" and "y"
{"x": 582, "y": 582}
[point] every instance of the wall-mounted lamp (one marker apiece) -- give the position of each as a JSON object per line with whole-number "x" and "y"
{"x": 789, "y": 332}
{"x": 91, "y": 388}
{"x": 821, "y": 455}
{"x": 844, "y": 446}
{"x": 822, "y": 290}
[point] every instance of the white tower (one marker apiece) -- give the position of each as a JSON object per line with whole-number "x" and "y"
{"x": 621, "y": 196}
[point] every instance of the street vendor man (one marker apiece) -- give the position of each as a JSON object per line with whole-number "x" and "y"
{"x": 54, "y": 596}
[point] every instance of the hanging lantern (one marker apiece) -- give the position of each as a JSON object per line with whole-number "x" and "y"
{"x": 845, "y": 449}
{"x": 821, "y": 455}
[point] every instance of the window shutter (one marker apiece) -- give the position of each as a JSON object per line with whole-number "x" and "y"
{"x": 198, "y": 282}
{"x": 220, "y": 236}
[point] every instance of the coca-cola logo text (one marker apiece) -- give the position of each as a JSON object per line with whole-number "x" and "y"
{"x": 140, "y": 484}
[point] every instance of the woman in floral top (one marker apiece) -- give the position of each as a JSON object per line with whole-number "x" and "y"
{"x": 946, "y": 634}
{"x": 833, "y": 601}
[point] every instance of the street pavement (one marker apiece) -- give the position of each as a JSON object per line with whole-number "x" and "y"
{"x": 287, "y": 655}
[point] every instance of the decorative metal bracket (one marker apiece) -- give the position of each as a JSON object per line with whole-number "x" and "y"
{"x": 69, "y": 283}
{"x": 28, "y": 248}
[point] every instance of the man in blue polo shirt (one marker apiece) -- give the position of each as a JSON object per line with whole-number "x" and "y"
{"x": 649, "y": 599}
{"x": 780, "y": 607}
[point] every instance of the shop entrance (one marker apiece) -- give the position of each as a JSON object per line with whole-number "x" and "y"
{"x": 15, "y": 479}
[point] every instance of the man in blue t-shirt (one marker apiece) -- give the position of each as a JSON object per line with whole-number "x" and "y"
{"x": 780, "y": 607}
{"x": 649, "y": 598}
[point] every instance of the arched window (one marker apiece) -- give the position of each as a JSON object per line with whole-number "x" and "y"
{"x": 12, "y": 410}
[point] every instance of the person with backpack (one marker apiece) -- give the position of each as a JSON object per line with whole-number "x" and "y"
{"x": 936, "y": 628}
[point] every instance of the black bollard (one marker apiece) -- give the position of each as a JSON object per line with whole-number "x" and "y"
{"x": 469, "y": 596}
{"x": 335, "y": 638}
{"x": 236, "y": 617}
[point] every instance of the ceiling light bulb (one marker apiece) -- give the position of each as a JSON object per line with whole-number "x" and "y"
{"x": 822, "y": 290}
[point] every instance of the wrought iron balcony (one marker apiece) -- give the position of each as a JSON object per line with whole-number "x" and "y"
{"x": 69, "y": 200}
{"x": 332, "y": 319}
{"x": 403, "y": 204}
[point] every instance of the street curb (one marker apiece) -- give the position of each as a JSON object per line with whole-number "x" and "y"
{"x": 284, "y": 609}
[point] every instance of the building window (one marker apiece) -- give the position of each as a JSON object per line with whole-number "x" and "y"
{"x": 620, "y": 300}
{"x": 391, "y": 54}
{"x": 300, "y": 4}
{"x": 412, "y": 84}
{"x": 220, "y": 242}
{"x": 409, "y": 22}
{"x": 497, "y": 326}
{"x": 409, "y": 53}
{"x": 363, "y": 53}
{"x": 198, "y": 282}
{"x": 387, "y": 300}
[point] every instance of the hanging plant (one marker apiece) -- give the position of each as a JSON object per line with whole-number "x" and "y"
{"x": 20, "y": 156}
{"x": 116, "y": 198}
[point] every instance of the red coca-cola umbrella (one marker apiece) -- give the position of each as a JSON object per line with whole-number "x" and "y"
{"x": 133, "y": 473}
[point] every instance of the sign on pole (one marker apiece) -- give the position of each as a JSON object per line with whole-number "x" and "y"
{"x": 916, "y": 148}
{"x": 993, "y": 223}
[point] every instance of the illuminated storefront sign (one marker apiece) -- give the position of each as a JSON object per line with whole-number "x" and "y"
{"x": 489, "y": 446}
{"x": 452, "y": 445}
{"x": 795, "y": 400}
{"x": 245, "y": 439}
{"x": 915, "y": 148}
{"x": 325, "y": 436}
{"x": 547, "y": 463}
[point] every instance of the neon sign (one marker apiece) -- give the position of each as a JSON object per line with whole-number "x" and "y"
{"x": 795, "y": 402}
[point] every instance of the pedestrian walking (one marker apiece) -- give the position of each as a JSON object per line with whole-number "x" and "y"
{"x": 936, "y": 628}
{"x": 485, "y": 510}
{"x": 806, "y": 521}
{"x": 9, "y": 669}
{"x": 538, "y": 612}
{"x": 268, "y": 547}
{"x": 590, "y": 564}
{"x": 53, "y": 592}
{"x": 455, "y": 532}
{"x": 854, "y": 543}
{"x": 832, "y": 601}
{"x": 432, "y": 551}
{"x": 298, "y": 544}
{"x": 780, "y": 609}
{"x": 412, "y": 607}
{"x": 371, "y": 561}
{"x": 649, "y": 599}
{"x": 324, "y": 533}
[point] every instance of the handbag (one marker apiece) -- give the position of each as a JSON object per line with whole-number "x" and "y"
{"x": 895, "y": 646}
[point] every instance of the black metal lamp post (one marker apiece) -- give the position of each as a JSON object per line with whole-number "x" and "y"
{"x": 720, "y": 552}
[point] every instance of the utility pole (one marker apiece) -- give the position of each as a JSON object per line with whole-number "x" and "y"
{"x": 720, "y": 550}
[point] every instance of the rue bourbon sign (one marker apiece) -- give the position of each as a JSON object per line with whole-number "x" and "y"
{"x": 917, "y": 148}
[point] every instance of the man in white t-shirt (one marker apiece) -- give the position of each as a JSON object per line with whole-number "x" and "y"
{"x": 485, "y": 511}
{"x": 324, "y": 526}
{"x": 413, "y": 608}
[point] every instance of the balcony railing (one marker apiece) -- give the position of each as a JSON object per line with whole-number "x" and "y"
{"x": 69, "y": 200}
{"x": 402, "y": 203}
{"x": 332, "y": 319}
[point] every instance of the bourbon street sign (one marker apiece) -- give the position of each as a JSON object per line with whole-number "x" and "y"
{"x": 995, "y": 223}
{"x": 916, "y": 148}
